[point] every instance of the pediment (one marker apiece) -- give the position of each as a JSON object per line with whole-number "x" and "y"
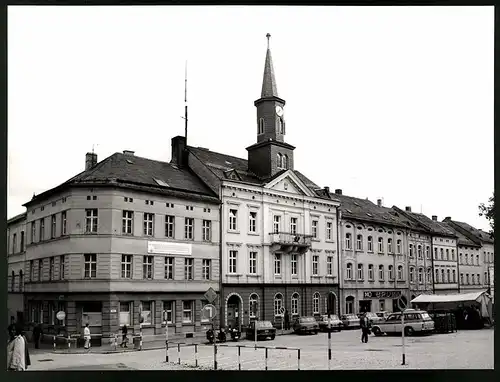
{"x": 289, "y": 182}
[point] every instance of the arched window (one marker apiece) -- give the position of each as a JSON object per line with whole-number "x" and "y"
{"x": 420, "y": 275}
{"x": 461, "y": 259}
{"x": 427, "y": 252}
{"x": 486, "y": 278}
{"x": 478, "y": 279}
{"x": 391, "y": 272}
{"x": 454, "y": 276}
{"x": 447, "y": 254}
{"x": 448, "y": 277}
{"x": 453, "y": 255}
{"x": 12, "y": 281}
{"x": 442, "y": 276}
{"x": 316, "y": 298}
{"x": 348, "y": 241}
{"x": 370, "y": 244}
{"x": 419, "y": 252}
{"x": 477, "y": 259}
{"x": 371, "y": 275}
{"x": 260, "y": 129}
{"x": 254, "y": 305}
{"x": 278, "y": 303}
{"x": 295, "y": 304}
{"x": 466, "y": 259}
{"x": 398, "y": 246}
{"x": 279, "y": 160}
{"x": 473, "y": 279}
{"x": 411, "y": 250}
{"x": 285, "y": 161}
{"x": 412, "y": 273}
{"x": 349, "y": 271}
{"x": 429, "y": 275}
{"x": 381, "y": 244}
{"x": 389, "y": 245}
{"x": 436, "y": 278}
{"x": 281, "y": 125}
{"x": 361, "y": 272}
{"x": 359, "y": 242}
{"x": 349, "y": 305}
{"x": 442, "y": 254}
{"x": 21, "y": 280}
{"x": 381, "y": 272}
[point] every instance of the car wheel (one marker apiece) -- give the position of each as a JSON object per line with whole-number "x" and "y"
{"x": 315, "y": 332}
{"x": 409, "y": 331}
{"x": 377, "y": 331}
{"x": 273, "y": 337}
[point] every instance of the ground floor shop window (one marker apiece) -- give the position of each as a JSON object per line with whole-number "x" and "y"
{"x": 381, "y": 305}
{"x": 316, "y": 303}
{"x": 187, "y": 312}
{"x": 125, "y": 313}
{"x": 92, "y": 314}
{"x": 349, "y": 305}
{"x": 278, "y": 304}
{"x": 254, "y": 301}
{"x": 147, "y": 312}
{"x": 36, "y": 313}
{"x": 295, "y": 304}
{"x": 168, "y": 311}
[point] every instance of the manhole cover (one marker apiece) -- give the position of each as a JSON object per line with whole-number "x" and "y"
{"x": 46, "y": 360}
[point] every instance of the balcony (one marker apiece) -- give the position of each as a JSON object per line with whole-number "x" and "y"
{"x": 287, "y": 242}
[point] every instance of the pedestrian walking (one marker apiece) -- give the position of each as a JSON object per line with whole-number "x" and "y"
{"x": 287, "y": 320}
{"x": 37, "y": 333}
{"x": 86, "y": 336}
{"x": 364, "y": 328}
{"x": 124, "y": 336}
{"x": 17, "y": 350}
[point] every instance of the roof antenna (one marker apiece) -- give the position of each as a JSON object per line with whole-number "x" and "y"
{"x": 268, "y": 37}
{"x": 185, "y": 118}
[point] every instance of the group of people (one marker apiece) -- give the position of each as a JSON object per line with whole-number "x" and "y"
{"x": 18, "y": 358}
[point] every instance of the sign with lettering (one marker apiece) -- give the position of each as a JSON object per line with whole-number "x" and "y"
{"x": 382, "y": 294}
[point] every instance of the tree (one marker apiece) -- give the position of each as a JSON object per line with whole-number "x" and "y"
{"x": 488, "y": 211}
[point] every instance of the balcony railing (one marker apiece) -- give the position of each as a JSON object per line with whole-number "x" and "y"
{"x": 290, "y": 242}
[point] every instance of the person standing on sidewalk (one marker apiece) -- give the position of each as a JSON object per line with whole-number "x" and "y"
{"x": 287, "y": 320}
{"x": 37, "y": 333}
{"x": 17, "y": 350}
{"x": 124, "y": 336}
{"x": 364, "y": 328}
{"x": 86, "y": 336}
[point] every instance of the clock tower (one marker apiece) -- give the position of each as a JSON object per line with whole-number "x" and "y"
{"x": 270, "y": 154}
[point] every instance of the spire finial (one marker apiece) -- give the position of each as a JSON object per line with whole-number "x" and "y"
{"x": 268, "y": 37}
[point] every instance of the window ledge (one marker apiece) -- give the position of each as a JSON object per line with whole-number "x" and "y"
{"x": 234, "y": 274}
{"x": 253, "y": 233}
{"x": 315, "y": 239}
{"x": 316, "y": 276}
{"x": 233, "y": 231}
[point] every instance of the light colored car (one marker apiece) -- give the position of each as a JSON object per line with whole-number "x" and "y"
{"x": 373, "y": 318}
{"x": 335, "y": 324}
{"x": 305, "y": 325}
{"x": 350, "y": 321}
{"x": 415, "y": 321}
{"x": 383, "y": 315}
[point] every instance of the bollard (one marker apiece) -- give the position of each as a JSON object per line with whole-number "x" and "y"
{"x": 329, "y": 349}
{"x": 239, "y": 357}
{"x": 179, "y": 353}
{"x": 166, "y": 345}
{"x": 266, "y": 358}
{"x": 140, "y": 339}
{"x": 298, "y": 359}
{"x": 215, "y": 355}
{"x": 54, "y": 342}
{"x": 196, "y": 355}
{"x": 69, "y": 342}
{"x": 116, "y": 340}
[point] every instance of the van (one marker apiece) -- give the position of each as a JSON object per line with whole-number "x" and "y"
{"x": 416, "y": 321}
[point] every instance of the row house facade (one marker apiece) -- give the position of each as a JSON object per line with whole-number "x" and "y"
{"x": 129, "y": 241}
{"x": 16, "y": 252}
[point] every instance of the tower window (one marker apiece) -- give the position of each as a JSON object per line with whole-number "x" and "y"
{"x": 260, "y": 129}
{"x": 281, "y": 126}
{"x": 282, "y": 161}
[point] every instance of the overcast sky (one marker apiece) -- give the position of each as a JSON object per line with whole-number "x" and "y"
{"x": 382, "y": 102}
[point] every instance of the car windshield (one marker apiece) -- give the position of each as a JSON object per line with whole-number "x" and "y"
{"x": 307, "y": 319}
{"x": 264, "y": 324}
{"x": 380, "y": 314}
{"x": 426, "y": 316}
{"x": 371, "y": 315}
{"x": 333, "y": 317}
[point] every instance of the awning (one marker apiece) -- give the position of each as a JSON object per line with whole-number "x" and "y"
{"x": 459, "y": 297}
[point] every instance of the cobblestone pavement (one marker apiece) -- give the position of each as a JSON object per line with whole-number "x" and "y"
{"x": 461, "y": 350}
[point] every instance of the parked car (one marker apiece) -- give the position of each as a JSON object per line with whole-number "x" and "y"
{"x": 305, "y": 325}
{"x": 383, "y": 314}
{"x": 265, "y": 329}
{"x": 350, "y": 321}
{"x": 335, "y": 323}
{"x": 415, "y": 321}
{"x": 373, "y": 318}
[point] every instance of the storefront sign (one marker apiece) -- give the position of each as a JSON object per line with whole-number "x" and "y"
{"x": 166, "y": 248}
{"x": 382, "y": 294}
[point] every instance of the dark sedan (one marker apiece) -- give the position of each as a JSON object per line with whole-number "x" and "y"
{"x": 305, "y": 325}
{"x": 265, "y": 329}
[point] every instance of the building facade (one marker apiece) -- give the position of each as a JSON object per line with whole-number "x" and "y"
{"x": 129, "y": 241}
{"x": 16, "y": 251}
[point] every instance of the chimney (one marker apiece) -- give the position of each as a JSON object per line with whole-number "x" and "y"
{"x": 128, "y": 152}
{"x": 408, "y": 208}
{"x": 90, "y": 160}
{"x": 379, "y": 202}
{"x": 338, "y": 191}
{"x": 327, "y": 190}
{"x": 435, "y": 218}
{"x": 178, "y": 150}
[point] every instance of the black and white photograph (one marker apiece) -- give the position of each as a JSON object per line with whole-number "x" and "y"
{"x": 250, "y": 188}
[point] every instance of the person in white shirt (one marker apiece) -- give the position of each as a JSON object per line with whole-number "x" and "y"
{"x": 86, "y": 336}
{"x": 16, "y": 350}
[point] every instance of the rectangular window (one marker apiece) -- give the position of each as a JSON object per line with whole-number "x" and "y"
{"x": 126, "y": 266}
{"x": 359, "y": 242}
{"x": 276, "y": 224}
{"x": 371, "y": 276}
{"x": 293, "y": 260}
{"x": 252, "y": 223}
{"x": 169, "y": 226}
{"x": 91, "y": 218}
{"x": 90, "y": 269}
{"x": 51, "y": 269}
{"x": 206, "y": 230}
{"x": 125, "y": 313}
{"x": 169, "y": 268}
{"x": 168, "y": 308}
{"x": 147, "y": 267}
{"x": 188, "y": 228}
{"x": 314, "y": 229}
{"x": 32, "y": 271}
{"x": 293, "y": 226}
{"x": 40, "y": 270}
{"x": 148, "y": 228}
{"x": 188, "y": 269}
{"x": 361, "y": 275}
{"x": 53, "y": 226}
{"x": 33, "y": 232}
{"x": 127, "y": 219}
{"x": 233, "y": 219}
{"x": 329, "y": 226}
{"x": 232, "y": 261}
{"x": 277, "y": 264}
{"x": 206, "y": 269}
{"x": 315, "y": 262}
{"x": 381, "y": 272}
{"x": 348, "y": 241}
{"x": 42, "y": 229}
{"x": 63, "y": 223}
{"x": 252, "y": 266}
{"x": 62, "y": 260}
{"x": 147, "y": 312}
{"x": 329, "y": 265}
{"x": 187, "y": 312}
{"x": 14, "y": 239}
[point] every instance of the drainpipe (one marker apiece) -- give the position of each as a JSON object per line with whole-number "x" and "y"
{"x": 221, "y": 294}
{"x": 432, "y": 266}
{"x": 458, "y": 269}
{"x": 339, "y": 269}
{"x": 261, "y": 312}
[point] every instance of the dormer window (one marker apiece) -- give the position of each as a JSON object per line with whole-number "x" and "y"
{"x": 260, "y": 128}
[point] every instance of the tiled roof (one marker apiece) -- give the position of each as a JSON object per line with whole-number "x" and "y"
{"x": 479, "y": 234}
{"x": 432, "y": 225}
{"x": 462, "y": 239}
{"x": 140, "y": 173}
{"x": 219, "y": 164}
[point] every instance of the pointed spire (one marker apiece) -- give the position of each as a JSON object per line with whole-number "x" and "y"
{"x": 269, "y": 88}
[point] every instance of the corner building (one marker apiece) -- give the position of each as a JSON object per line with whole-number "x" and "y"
{"x": 279, "y": 232}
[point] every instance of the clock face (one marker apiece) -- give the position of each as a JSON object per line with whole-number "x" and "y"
{"x": 279, "y": 111}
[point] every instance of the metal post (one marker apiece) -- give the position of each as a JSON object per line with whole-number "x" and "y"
{"x": 179, "y": 354}
{"x": 166, "y": 344}
{"x": 329, "y": 341}
{"x": 239, "y": 357}
{"x": 69, "y": 342}
{"x": 282, "y": 319}
{"x": 54, "y": 342}
{"x": 116, "y": 340}
{"x": 215, "y": 353}
{"x": 140, "y": 339}
{"x": 196, "y": 355}
{"x": 298, "y": 359}
{"x": 403, "y": 334}
{"x": 266, "y": 358}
